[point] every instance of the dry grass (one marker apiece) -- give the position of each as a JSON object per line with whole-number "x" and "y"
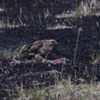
{"x": 58, "y": 26}
{"x": 62, "y": 90}
{"x": 86, "y": 8}
{"x": 5, "y": 53}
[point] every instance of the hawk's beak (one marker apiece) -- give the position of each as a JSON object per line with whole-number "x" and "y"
{"x": 54, "y": 42}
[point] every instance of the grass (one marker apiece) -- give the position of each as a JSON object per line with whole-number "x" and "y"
{"x": 86, "y": 8}
{"x": 5, "y": 53}
{"x": 8, "y": 53}
{"x": 62, "y": 90}
{"x": 58, "y": 26}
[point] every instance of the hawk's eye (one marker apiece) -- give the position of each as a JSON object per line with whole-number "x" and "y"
{"x": 54, "y": 42}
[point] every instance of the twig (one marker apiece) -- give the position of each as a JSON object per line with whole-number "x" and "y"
{"x": 21, "y": 12}
{"x": 40, "y": 18}
{"x": 32, "y": 18}
{"x": 63, "y": 67}
{"x": 20, "y": 21}
{"x": 78, "y": 35}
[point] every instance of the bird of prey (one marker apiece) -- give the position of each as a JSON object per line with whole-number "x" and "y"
{"x": 39, "y": 49}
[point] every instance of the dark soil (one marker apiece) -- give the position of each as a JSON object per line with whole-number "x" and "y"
{"x": 38, "y": 74}
{"x": 11, "y": 76}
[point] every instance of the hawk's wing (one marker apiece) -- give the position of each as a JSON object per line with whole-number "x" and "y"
{"x": 35, "y": 46}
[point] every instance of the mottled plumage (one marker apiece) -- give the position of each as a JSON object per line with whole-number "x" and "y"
{"x": 39, "y": 49}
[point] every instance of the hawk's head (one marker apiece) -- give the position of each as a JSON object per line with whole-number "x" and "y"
{"x": 51, "y": 42}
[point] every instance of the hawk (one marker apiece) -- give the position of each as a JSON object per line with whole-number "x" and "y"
{"x": 39, "y": 49}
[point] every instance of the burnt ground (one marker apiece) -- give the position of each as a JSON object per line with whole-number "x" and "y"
{"x": 38, "y": 74}
{"x": 32, "y": 74}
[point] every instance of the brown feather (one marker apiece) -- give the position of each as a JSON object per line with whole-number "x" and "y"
{"x": 35, "y": 46}
{"x": 41, "y": 48}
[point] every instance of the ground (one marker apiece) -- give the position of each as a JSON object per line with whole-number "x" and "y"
{"x": 80, "y": 65}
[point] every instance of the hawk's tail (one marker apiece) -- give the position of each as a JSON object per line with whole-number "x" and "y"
{"x": 24, "y": 49}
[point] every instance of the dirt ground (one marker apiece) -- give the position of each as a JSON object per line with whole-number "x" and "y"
{"x": 88, "y": 46}
{"x": 88, "y": 50}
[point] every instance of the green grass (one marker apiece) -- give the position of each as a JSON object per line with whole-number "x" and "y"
{"x": 84, "y": 9}
{"x": 8, "y": 53}
{"x": 63, "y": 90}
{"x": 5, "y": 53}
